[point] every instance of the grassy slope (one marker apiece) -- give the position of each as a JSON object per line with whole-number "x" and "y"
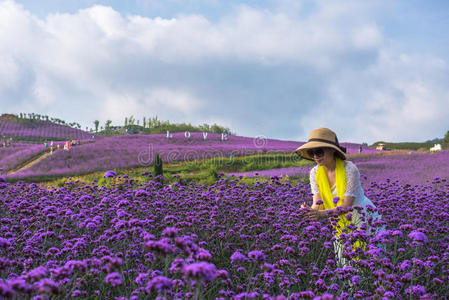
{"x": 204, "y": 171}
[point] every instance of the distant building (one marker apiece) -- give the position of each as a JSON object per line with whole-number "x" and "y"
{"x": 435, "y": 148}
{"x": 380, "y": 146}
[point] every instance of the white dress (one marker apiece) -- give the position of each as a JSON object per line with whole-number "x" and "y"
{"x": 353, "y": 189}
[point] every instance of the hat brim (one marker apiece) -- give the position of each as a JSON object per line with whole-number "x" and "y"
{"x": 302, "y": 151}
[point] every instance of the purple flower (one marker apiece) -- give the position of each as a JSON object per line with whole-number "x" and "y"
{"x": 355, "y": 279}
{"x": 110, "y": 174}
{"x": 79, "y": 293}
{"x": 4, "y": 243}
{"x": 20, "y": 285}
{"x": 415, "y": 290}
{"x": 170, "y": 232}
{"x": 335, "y": 200}
{"x": 114, "y": 279}
{"x": 349, "y": 216}
{"x": 417, "y": 236}
{"x": 141, "y": 278}
{"x": 5, "y": 290}
{"x": 159, "y": 284}
{"x": 306, "y": 294}
{"x": 203, "y": 254}
{"x": 201, "y": 271}
{"x": 160, "y": 246}
{"x": 36, "y": 274}
{"x": 257, "y": 255}
{"x": 46, "y": 285}
{"x": 397, "y": 233}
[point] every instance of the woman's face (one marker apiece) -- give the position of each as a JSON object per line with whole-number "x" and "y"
{"x": 322, "y": 156}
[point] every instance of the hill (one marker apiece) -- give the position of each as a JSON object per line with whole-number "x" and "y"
{"x": 126, "y": 151}
{"x": 129, "y": 151}
{"x": 36, "y": 130}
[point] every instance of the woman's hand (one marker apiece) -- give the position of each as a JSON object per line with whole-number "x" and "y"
{"x": 304, "y": 205}
{"x": 312, "y": 213}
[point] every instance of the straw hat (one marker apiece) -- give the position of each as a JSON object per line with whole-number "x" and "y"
{"x": 321, "y": 137}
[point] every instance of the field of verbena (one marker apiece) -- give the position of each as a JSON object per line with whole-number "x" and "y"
{"x": 139, "y": 150}
{"x": 406, "y": 167}
{"x": 228, "y": 240}
{"x": 128, "y": 151}
{"x": 38, "y": 130}
{"x": 17, "y": 154}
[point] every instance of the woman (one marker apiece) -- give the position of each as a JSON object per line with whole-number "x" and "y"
{"x": 335, "y": 183}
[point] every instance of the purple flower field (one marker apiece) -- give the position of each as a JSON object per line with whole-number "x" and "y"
{"x": 139, "y": 150}
{"x": 404, "y": 167}
{"x": 293, "y": 171}
{"x": 225, "y": 241}
{"x": 42, "y": 129}
{"x": 17, "y": 153}
{"x": 229, "y": 240}
{"x": 128, "y": 151}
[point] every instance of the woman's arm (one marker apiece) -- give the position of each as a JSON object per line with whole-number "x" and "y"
{"x": 348, "y": 201}
{"x": 318, "y": 212}
{"x": 315, "y": 205}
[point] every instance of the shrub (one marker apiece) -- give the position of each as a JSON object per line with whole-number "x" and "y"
{"x": 158, "y": 170}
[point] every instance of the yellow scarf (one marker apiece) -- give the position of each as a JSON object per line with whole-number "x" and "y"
{"x": 327, "y": 198}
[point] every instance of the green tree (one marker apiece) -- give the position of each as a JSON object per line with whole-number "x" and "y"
{"x": 96, "y": 123}
{"x": 107, "y": 126}
{"x": 446, "y": 140}
{"x": 131, "y": 120}
{"x": 158, "y": 170}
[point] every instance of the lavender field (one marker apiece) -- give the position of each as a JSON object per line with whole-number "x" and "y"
{"x": 18, "y": 153}
{"x": 228, "y": 240}
{"x": 402, "y": 166}
{"x": 130, "y": 241}
{"x": 40, "y": 129}
{"x": 139, "y": 150}
{"x": 129, "y": 151}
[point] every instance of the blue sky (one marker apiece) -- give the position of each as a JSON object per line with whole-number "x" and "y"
{"x": 370, "y": 70}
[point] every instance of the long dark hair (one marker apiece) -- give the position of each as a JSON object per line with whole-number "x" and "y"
{"x": 343, "y": 149}
{"x": 338, "y": 154}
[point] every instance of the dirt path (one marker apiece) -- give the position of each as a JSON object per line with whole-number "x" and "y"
{"x": 30, "y": 163}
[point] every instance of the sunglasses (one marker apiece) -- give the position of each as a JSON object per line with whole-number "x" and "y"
{"x": 318, "y": 152}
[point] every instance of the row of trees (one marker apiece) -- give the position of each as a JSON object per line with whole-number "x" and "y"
{"x": 155, "y": 125}
{"x": 154, "y": 122}
{"x": 32, "y": 117}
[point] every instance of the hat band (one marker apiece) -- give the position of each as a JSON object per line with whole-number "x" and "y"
{"x": 324, "y": 141}
{"x": 329, "y": 142}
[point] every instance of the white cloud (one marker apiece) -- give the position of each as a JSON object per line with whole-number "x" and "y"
{"x": 367, "y": 37}
{"x": 9, "y": 72}
{"x": 166, "y": 102}
{"x": 277, "y": 73}
{"x": 399, "y": 98}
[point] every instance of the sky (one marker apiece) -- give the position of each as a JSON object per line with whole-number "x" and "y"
{"x": 374, "y": 70}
